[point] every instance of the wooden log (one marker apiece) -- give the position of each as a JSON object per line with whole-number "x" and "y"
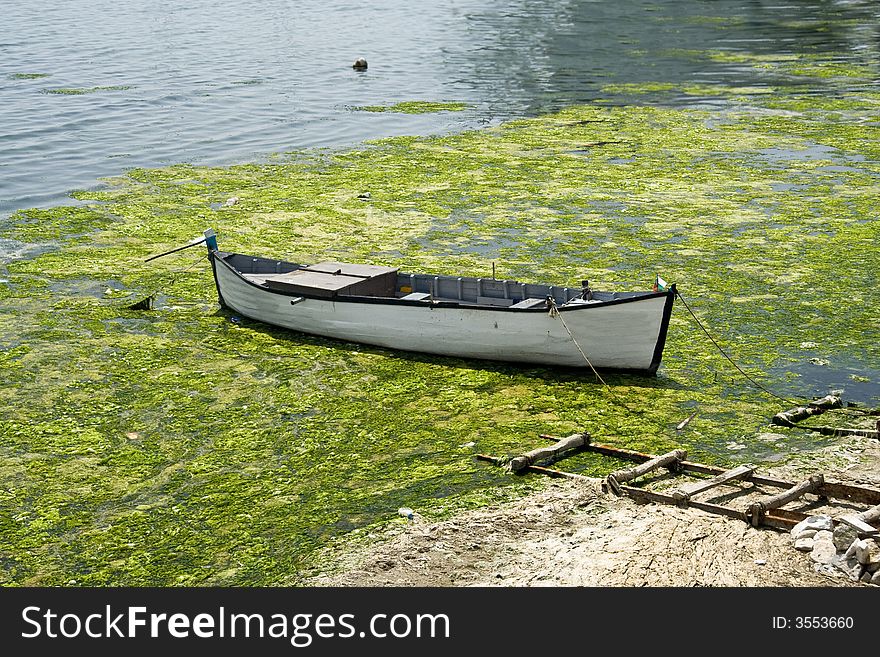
{"x": 534, "y": 468}
{"x": 757, "y": 510}
{"x": 670, "y": 459}
{"x": 684, "y": 493}
{"x": 828, "y": 489}
{"x": 574, "y": 441}
{"x": 801, "y": 489}
{"x": 827, "y": 402}
{"x": 791, "y": 416}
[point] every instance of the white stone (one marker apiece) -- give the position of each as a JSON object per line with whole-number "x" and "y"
{"x": 804, "y": 544}
{"x": 844, "y": 535}
{"x": 858, "y": 545}
{"x": 823, "y": 551}
{"x": 868, "y": 552}
{"x": 851, "y": 550}
{"x": 824, "y": 535}
{"x": 816, "y": 523}
{"x": 876, "y": 578}
{"x": 850, "y": 566}
{"x": 804, "y": 533}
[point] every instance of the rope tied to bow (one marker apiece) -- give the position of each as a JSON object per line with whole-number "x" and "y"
{"x": 554, "y": 313}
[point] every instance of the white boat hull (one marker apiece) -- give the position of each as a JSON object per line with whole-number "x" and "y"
{"x": 625, "y": 335}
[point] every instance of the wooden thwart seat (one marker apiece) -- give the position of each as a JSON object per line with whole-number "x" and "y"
{"x": 532, "y": 302}
{"x": 330, "y": 279}
{"x": 416, "y": 296}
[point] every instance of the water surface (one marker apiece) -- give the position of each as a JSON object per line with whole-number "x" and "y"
{"x": 90, "y": 89}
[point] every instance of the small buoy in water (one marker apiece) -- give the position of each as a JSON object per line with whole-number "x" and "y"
{"x": 406, "y": 512}
{"x": 360, "y": 64}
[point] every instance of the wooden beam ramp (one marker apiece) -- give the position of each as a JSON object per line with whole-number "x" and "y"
{"x": 762, "y": 510}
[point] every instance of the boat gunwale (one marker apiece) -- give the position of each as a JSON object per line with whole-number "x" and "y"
{"x": 393, "y": 301}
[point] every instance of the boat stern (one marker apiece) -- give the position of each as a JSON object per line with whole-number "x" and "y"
{"x": 213, "y": 249}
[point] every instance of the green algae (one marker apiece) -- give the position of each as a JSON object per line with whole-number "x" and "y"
{"x": 82, "y": 91}
{"x": 415, "y": 107}
{"x": 188, "y": 446}
{"x": 28, "y": 76}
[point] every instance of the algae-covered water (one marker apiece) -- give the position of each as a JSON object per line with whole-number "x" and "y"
{"x": 187, "y": 446}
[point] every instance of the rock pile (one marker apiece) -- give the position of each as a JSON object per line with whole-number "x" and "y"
{"x": 838, "y": 549}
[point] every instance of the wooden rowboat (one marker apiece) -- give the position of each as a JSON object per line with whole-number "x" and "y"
{"x": 483, "y": 318}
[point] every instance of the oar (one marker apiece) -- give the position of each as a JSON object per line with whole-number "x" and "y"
{"x": 147, "y": 304}
{"x": 201, "y": 240}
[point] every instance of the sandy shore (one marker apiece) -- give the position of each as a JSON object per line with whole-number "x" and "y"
{"x": 571, "y": 534}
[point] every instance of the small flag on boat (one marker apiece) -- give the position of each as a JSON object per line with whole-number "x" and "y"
{"x": 659, "y": 284}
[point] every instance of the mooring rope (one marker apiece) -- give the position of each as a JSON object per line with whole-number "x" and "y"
{"x": 732, "y": 362}
{"x": 554, "y": 312}
{"x": 176, "y": 274}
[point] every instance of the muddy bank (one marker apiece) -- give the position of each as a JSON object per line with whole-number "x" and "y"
{"x": 571, "y": 534}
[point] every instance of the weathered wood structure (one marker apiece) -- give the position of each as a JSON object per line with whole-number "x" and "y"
{"x": 766, "y": 511}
